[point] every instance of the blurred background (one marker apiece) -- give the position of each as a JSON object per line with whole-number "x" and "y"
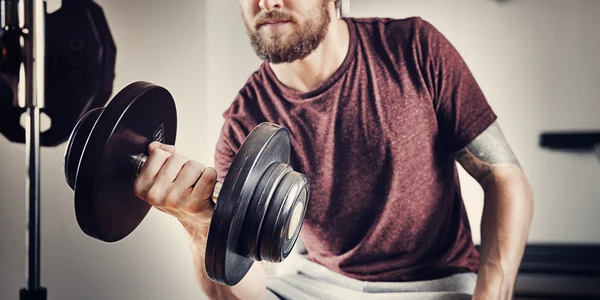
{"x": 536, "y": 60}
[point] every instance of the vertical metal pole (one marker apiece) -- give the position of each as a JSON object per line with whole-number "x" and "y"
{"x": 33, "y": 62}
{"x": 33, "y": 187}
{"x": 34, "y": 50}
{"x": 33, "y": 101}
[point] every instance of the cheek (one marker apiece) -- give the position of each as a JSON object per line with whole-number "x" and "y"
{"x": 309, "y": 6}
{"x": 307, "y": 12}
{"x": 299, "y": 6}
{"x": 249, "y": 9}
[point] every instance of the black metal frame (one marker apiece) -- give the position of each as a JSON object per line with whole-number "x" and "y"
{"x": 570, "y": 140}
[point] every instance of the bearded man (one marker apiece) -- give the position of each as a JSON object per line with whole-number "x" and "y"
{"x": 379, "y": 111}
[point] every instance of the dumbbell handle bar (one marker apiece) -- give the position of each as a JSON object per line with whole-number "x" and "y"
{"x": 140, "y": 160}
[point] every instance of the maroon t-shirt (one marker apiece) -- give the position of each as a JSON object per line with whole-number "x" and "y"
{"x": 376, "y": 141}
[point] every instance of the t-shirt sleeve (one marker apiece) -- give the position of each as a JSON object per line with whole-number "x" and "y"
{"x": 461, "y": 107}
{"x": 239, "y": 120}
{"x": 230, "y": 140}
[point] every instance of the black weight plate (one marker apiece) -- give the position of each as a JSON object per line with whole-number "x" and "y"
{"x": 76, "y": 144}
{"x": 266, "y": 144}
{"x": 11, "y": 53}
{"x": 10, "y": 115}
{"x": 105, "y": 204}
{"x": 284, "y": 217}
{"x": 80, "y": 63}
{"x": 258, "y": 207}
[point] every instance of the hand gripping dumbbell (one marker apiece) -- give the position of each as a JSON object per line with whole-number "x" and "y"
{"x": 258, "y": 208}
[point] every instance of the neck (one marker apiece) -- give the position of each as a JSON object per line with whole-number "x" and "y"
{"x": 309, "y": 73}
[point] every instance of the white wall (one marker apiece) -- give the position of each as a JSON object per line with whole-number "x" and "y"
{"x": 535, "y": 60}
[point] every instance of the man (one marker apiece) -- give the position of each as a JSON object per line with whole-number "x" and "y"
{"x": 378, "y": 110}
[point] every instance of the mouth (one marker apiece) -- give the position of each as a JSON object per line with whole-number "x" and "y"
{"x": 273, "y": 22}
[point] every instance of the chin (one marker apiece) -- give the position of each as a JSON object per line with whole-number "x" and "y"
{"x": 275, "y": 40}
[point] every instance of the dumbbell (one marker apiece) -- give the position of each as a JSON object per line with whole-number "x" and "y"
{"x": 258, "y": 208}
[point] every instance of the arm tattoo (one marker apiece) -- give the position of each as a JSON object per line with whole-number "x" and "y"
{"x": 488, "y": 151}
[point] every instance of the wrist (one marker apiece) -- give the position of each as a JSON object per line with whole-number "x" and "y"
{"x": 493, "y": 283}
{"x": 196, "y": 230}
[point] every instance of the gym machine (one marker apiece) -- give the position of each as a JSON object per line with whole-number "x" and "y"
{"x": 73, "y": 44}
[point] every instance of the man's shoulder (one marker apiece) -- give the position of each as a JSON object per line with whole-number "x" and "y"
{"x": 248, "y": 92}
{"x": 257, "y": 81}
{"x": 385, "y": 21}
{"x": 243, "y": 112}
{"x": 413, "y": 23}
{"x": 401, "y": 30}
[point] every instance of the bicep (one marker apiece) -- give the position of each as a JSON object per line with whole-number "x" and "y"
{"x": 486, "y": 154}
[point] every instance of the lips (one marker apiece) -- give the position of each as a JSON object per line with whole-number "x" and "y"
{"x": 275, "y": 21}
{"x": 272, "y": 22}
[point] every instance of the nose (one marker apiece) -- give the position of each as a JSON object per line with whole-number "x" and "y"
{"x": 270, "y": 5}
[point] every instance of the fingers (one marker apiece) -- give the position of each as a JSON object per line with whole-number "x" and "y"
{"x": 170, "y": 169}
{"x": 175, "y": 184}
{"x": 202, "y": 192}
{"x": 154, "y": 145}
{"x": 158, "y": 155}
{"x": 150, "y": 171}
{"x": 178, "y": 195}
{"x": 188, "y": 176}
{"x": 163, "y": 193}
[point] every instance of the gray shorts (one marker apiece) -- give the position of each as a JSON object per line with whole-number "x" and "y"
{"x": 302, "y": 279}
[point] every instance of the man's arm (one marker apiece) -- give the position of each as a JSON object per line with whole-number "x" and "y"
{"x": 252, "y": 286}
{"x": 507, "y": 211}
{"x": 181, "y": 187}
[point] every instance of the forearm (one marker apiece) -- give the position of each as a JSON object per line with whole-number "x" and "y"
{"x": 252, "y": 286}
{"x": 183, "y": 188}
{"x": 505, "y": 226}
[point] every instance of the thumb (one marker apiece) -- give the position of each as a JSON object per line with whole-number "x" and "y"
{"x": 168, "y": 148}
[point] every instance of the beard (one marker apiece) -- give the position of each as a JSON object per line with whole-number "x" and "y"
{"x": 278, "y": 47}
